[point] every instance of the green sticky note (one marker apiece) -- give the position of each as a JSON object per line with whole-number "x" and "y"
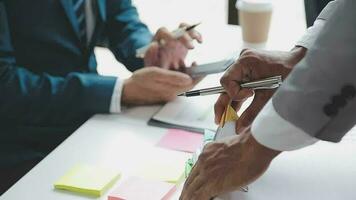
{"x": 88, "y": 180}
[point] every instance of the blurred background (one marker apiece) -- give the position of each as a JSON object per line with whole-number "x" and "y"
{"x": 287, "y": 26}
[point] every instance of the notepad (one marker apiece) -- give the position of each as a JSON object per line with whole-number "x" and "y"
{"x": 88, "y": 180}
{"x": 135, "y": 188}
{"x": 191, "y": 114}
{"x": 181, "y": 140}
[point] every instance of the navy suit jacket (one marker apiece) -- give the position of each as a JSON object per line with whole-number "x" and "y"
{"x": 48, "y": 79}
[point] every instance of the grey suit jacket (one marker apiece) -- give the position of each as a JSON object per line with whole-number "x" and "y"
{"x": 319, "y": 94}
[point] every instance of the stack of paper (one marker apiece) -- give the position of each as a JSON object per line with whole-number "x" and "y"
{"x": 88, "y": 180}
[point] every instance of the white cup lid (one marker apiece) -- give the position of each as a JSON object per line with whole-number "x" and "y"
{"x": 254, "y": 5}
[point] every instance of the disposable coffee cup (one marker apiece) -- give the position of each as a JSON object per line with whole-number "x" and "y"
{"x": 255, "y": 18}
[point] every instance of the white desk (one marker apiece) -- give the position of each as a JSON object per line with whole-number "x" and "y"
{"x": 323, "y": 171}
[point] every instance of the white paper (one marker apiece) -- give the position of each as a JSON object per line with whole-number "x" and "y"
{"x": 195, "y": 112}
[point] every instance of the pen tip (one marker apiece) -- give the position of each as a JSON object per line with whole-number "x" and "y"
{"x": 183, "y": 94}
{"x": 192, "y": 26}
{"x": 197, "y": 24}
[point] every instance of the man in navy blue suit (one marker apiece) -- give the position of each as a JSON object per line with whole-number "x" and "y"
{"x": 48, "y": 80}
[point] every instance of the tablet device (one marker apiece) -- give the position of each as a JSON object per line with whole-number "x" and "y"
{"x": 210, "y": 68}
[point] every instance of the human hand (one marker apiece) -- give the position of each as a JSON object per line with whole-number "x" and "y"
{"x": 169, "y": 52}
{"x": 227, "y": 166}
{"x": 253, "y": 65}
{"x": 155, "y": 85}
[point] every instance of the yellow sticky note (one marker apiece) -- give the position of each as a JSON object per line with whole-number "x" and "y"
{"x": 88, "y": 180}
{"x": 229, "y": 115}
{"x": 170, "y": 169}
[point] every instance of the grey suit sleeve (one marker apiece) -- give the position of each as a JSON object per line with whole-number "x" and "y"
{"x": 319, "y": 95}
{"x": 308, "y": 39}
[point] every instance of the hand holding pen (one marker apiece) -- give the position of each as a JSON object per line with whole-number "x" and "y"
{"x": 185, "y": 33}
{"x": 252, "y": 65}
{"x": 263, "y": 84}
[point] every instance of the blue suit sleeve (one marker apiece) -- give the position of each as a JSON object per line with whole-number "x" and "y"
{"x": 42, "y": 99}
{"x": 37, "y": 99}
{"x": 126, "y": 32}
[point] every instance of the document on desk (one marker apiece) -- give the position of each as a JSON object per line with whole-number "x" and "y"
{"x": 192, "y": 114}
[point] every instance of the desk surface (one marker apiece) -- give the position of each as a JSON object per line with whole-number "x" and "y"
{"x": 322, "y": 171}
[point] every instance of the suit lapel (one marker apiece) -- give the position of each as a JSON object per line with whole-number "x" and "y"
{"x": 68, "y": 8}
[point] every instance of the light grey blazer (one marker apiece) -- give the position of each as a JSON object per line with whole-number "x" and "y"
{"x": 319, "y": 95}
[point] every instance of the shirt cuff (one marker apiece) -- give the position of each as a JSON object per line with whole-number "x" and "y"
{"x": 115, "y": 106}
{"x": 312, "y": 33}
{"x": 274, "y": 132}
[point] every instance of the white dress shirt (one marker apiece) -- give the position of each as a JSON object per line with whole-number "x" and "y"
{"x": 115, "y": 106}
{"x": 269, "y": 128}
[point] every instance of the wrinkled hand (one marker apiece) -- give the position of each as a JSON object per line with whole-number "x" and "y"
{"x": 155, "y": 85}
{"x": 253, "y": 65}
{"x": 227, "y": 166}
{"x": 168, "y": 52}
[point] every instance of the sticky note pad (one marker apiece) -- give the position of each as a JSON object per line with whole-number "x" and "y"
{"x": 88, "y": 180}
{"x": 169, "y": 168}
{"x": 181, "y": 140}
{"x": 135, "y": 188}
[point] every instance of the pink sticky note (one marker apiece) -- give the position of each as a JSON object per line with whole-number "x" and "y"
{"x": 135, "y": 188}
{"x": 181, "y": 140}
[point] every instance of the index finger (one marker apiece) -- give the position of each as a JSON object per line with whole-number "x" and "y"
{"x": 231, "y": 80}
{"x": 192, "y": 33}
